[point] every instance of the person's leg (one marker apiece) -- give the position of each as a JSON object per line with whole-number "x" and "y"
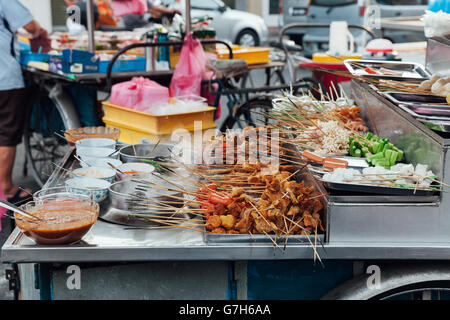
{"x": 13, "y": 110}
{"x": 7, "y": 157}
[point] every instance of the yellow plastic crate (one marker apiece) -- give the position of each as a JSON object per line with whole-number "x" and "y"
{"x": 135, "y": 125}
{"x": 325, "y": 58}
{"x": 252, "y": 55}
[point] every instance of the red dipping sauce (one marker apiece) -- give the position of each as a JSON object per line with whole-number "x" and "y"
{"x": 61, "y": 223}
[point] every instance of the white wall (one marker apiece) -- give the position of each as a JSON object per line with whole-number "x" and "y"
{"x": 271, "y": 20}
{"x": 41, "y": 10}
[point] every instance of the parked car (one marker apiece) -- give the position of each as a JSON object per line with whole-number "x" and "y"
{"x": 237, "y": 26}
{"x": 352, "y": 11}
{"x": 294, "y": 11}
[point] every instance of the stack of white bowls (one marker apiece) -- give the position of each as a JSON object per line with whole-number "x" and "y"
{"x": 95, "y": 176}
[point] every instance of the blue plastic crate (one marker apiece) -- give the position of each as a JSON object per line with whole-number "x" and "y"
{"x": 27, "y": 56}
{"x": 79, "y": 61}
{"x": 137, "y": 64}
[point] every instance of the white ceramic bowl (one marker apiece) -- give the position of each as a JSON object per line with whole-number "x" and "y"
{"x": 96, "y": 143}
{"x": 95, "y": 153}
{"x": 134, "y": 169}
{"x": 97, "y": 188}
{"x": 101, "y": 162}
{"x": 104, "y": 173}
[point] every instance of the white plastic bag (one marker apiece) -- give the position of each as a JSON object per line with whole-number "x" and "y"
{"x": 437, "y": 24}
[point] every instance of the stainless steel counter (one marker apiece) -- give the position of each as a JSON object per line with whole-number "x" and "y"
{"x": 110, "y": 243}
{"x": 370, "y": 229}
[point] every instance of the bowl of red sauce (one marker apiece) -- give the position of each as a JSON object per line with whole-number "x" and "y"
{"x": 59, "y": 220}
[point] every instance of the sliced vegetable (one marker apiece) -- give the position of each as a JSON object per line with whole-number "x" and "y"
{"x": 374, "y": 148}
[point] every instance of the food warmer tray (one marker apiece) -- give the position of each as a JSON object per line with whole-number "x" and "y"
{"x": 223, "y": 239}
{"x": 421, "y": 117}
{"x": 430, "y": 109}
{"x": 408, "y": 98}
{"x": 444, "y": 126}
{"x": 411, "y": 70}
{"x": 364, "y": 188}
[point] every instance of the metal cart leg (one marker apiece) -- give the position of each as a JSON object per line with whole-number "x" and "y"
{"x": 43, "y": 275}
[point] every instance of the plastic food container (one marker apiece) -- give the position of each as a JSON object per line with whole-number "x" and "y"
{"x": 135, "y": 125}
{"x": 251, "y": 55}
{"x": 64, "y": 220}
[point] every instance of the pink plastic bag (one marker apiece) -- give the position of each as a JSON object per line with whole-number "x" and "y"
{"x": 189, "y": 71}
{"x": 139, "y": 93}
{"x": 125, "y": 7}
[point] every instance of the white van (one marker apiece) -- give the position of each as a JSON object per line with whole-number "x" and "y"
{"x": 352, "y": 11}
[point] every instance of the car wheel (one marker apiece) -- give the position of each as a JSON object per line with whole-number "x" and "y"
{"x": 247, "y": 38}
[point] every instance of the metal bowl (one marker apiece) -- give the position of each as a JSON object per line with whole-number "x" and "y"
{"x": 125, "y": 195}
{"x": 142, "y": 152}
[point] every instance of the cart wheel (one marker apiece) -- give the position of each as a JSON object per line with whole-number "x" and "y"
{"x": 416, "y": 281}
{"x": 43, "y": 148}
{"x": 252, "y": 113}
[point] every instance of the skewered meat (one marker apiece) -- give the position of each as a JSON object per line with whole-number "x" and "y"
{"x": 284, "y": 207}
{"x": 213, "y": 222}
{"x": 228, "y": 221}
{"x": 219, "y": 230}
{"x": 263, "y": 226}
{"x": 236, "y": 192}
{"x": 294, "y": 210}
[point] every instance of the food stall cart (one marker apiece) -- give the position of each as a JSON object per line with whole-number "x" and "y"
{"x": 117, "y": 261}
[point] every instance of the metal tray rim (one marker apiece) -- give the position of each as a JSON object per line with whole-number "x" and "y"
{"x": 347, "y": 63}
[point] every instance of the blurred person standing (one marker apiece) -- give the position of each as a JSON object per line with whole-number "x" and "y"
{"x": 103, "y": 12}
{"x": 131, "y": 12}
{"x": 13, "y": 95}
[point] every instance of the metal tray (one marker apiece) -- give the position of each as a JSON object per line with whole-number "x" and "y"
{"x": 215, "y": 238}
{"x": 421, "y": 117}
{"x": 430, "y": 109}
{"x": 408, "y": 98}
{"x": 444, "y": 126}
{"x": 222, "y": 239}
{"x": 411, "y": 70}
{"x": 362, "y": 188}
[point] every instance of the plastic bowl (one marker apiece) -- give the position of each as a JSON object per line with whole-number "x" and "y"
{"x": 64, "y": 220}
{"x": 72, "y": 136}
{"x": 134, "y": 170}
{"x": 96, "y": 188}
{"x": 101, "y": 162}
{"x": 104, "y": 173}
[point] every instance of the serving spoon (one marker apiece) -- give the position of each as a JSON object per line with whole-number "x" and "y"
{"x": 8, "y": 205}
